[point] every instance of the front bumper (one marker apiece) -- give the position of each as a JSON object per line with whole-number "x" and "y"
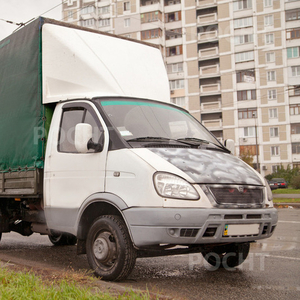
{"x": 185, "y": 226}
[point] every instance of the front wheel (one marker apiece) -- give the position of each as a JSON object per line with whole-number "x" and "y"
{"x": 227, "y": 256}
{"x": 110, "y": 252}
{"x": 62, "y": 239}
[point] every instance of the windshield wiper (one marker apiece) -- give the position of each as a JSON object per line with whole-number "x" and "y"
{"x": 149, "y": 139}
{"x": 196, "y": 141}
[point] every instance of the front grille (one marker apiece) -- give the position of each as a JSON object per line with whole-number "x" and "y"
{"x": 237, "y": 195}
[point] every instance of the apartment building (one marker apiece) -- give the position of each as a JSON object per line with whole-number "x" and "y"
{"x": 235, "y": 65}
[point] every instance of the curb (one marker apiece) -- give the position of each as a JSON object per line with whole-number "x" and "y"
{"x": 287, "y": 205}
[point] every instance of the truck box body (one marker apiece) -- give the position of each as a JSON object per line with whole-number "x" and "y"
{"x": 49, "y": 61}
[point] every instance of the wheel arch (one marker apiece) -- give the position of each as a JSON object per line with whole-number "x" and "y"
{"x": 96, "y": 206}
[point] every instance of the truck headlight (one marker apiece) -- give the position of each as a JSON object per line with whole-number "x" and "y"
{"x": 269, "y": 191}
{"x": 172, "y": 186}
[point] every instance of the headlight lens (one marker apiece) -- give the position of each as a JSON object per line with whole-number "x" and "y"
{"x": 172, "y": 186}
{"x": 269, "y": 191}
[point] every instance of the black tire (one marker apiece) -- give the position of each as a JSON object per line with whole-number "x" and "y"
{"x": 62, "y": 239}
{"x": 109, "y": 249}
{"x": 0, "y": 235}
{"x": 227, "y": 256}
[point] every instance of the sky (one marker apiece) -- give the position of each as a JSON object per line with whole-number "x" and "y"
{"x": 21, "y": 11}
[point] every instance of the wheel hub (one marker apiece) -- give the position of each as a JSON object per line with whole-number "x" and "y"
{"x": 104, "y": 249}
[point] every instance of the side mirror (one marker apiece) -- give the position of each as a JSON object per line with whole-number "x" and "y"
{"x": 229, "y": 144}
{"x": 83, "y": 134}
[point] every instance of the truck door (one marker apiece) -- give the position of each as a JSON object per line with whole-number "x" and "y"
{"x": 71, "y": 177}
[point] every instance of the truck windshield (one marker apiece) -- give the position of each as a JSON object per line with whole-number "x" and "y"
{"x": 145, "y": 121}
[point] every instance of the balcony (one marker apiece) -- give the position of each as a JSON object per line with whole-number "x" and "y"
{"x": 208, "y": 52}
{"x": 213, "y": 124}
{"x": 149, "y": 6}
{"x": 211, "y": 106}
{"x": 214, "y": 88}
{"x": 207, "y": 36}
{"x": 207, "y": 71}
{"x": 206, "y": 3}
{"x": 207, "y": 19}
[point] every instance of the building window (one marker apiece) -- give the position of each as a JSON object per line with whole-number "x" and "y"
{"x": 295, "y": 71}
{"x": 173, "y": 34}
{"x": 87, "y": 10}
{"x": 294, "y": 109}
{"x": 269, "y": 38}
{"x": 173, "y": 17}
{"x": 247, "y": 113}
{"x": 244, "y": 56}
{"x": 274, "y": 132}
{"x": 295, "y": 128}
{"x": 104, "y": 22}
{"x": 275, "y": 150}
{"x": 126, "y": 6}
{"x": 249, "y": 131}
{"x": 175, "y": 68}
{"x": 272, "y": 94}
{"x": 292, "y": 52}
{"x": 180, "y": 101}
{"x": 275, "y": 168}
{"x": 271, "y": 75}
{"x": 87, "y": 23}
{"x": 270, "y": 57}
{"x": 269, "y": 20}
{"x": 177, "y": 84}
{"x": 127, "y": 22}
{"x": 268, "y": 3}
{"x": 70, "y": 14}
{"x": 172, "y": 2}
{"x": 243, "y": 22}
{"x": 243, "y": 39}
{"x": 242, "y": 4}
{"x": 104, "y": 10}
{"x": 293, "y": 34}
{"x": 172, "y": 51}
{"x": 245, "y": 76}
{"x": 151, "y": 34}
{"x": 296, "y": 148}
{"x": 292, "y": 15}
{"x": 151, "y": 17}
{"x": 246, "y": 95}
{"x": 273, "y": 113}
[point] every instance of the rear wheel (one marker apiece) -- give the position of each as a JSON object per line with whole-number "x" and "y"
{"x": 227, "y": 256}
{"x": 62, "y": 239}
{"x": 109, "y": 248}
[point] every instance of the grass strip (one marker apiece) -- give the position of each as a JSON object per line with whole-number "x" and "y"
{"x": 286, "y": 200}
{"x": 286, "y": 191}
{"x": 26, "y": 285}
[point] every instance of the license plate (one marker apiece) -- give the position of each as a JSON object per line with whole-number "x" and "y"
{"x": 240, "y": 229}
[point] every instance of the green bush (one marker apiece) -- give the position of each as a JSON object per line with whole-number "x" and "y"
{"x": 296, "y": 182}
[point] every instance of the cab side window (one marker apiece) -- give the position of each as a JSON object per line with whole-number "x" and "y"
{"x": 70, "y": 118}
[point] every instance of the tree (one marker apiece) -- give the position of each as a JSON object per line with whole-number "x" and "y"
{"x": 246, "y": 156}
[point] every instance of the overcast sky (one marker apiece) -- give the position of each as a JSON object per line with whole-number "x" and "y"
{"x": 21, "y": 11}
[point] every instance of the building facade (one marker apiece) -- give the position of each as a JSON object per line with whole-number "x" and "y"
{"x": 235, "y": 65}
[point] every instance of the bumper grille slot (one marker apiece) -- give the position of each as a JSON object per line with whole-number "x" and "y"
{"x": 253, "y": 216}
{"x": 233, "y": 217}
{"x": 188, "y": 232}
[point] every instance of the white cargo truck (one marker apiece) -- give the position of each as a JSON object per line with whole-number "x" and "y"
{"x": 92, "y": 153}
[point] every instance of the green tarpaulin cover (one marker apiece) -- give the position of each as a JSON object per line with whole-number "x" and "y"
{"x": 22, "y": 115}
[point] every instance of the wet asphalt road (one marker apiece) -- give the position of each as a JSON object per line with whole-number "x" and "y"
{"x": 271, "y": 271}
